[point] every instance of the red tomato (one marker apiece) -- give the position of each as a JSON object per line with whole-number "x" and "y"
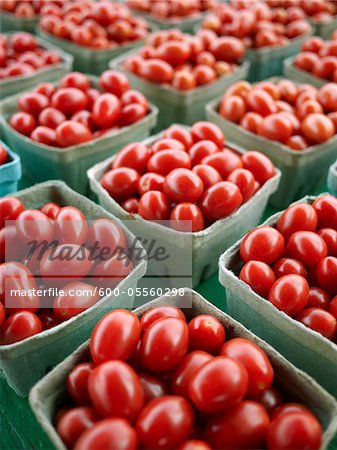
{"x": 74, "y": 422}
{"x": 187, "y": 217}
{"x": 333, "y": 307}
{"x": 259, "y": 276}
{"x": 294, "y": 430}
{"x": 327, "y": 96}
{"x": 23, "y": 123}
{"x": 306, "y": 246}
{"x": 106, "y": 110}
{"x": 218, "y": 385}
{"x": 251, "y": 121}
{"x": 262, "y": 244}
{"x": 77, "y": 383}
{"x": 131, "y": 113}
{"x": 44, "y": 135}
{"x": 308, "y": 107}
{"x": 115, "y": 390}
{"x": 3, "y": 155}
{"x": 51, "y": 118}
{"x": 326, "y": 272}
{"x": 260, "y": 165}
{"x": 165, "y": 161}
{"x": 290, "y": 294}
{"x": 202, "y": 149}
{"x": 77, "y": 298}
{"x": 254, "y": 359}
{"x": 75, "y": 80}
{"x": 129, "y": 97}
{"x": 153, "y": 387}
{"x": 108, "y": 234}
{"x": 165, "y": 422}
{"x": 318, "y": 298}
{"x": 10, "y": 208}
{"x": 207, "y": 131}
{"x": 271, "y": 399}
{"x": 157, "y": 71}
{"x": 287, "y": 266}
{"x": 318, "y": 128}
{"x": 209, "y": 176}
{"x": 121, "y": 183}
{"x": 288, "y": 91}
{"x": 319, "y": 320}
{"x": 133, "y": 155}
{"x": 224, "y": 162}
{"x": 2, "y": 314}
{"x": 33, "y": 225}
{"x": 245, "y": 181}
{"x": 131, "y": 205}
{"x": 114, "y": 82}
{"x": 85, "y": 118}
{"x": 150, "y": 182}
{"x": 206, "y": 333}
{"x": 159, "y": 312}
{"x": 276, "y": 127}
{"x": 174, "y": 52}
{"x": 72, "y": 133}
{"x": 243, "y": 426}
{"x": 204, "y": 74}
{"x": 19, "y": 326}
{"x": 183, "y": 185}
{"x": 115, "y": 337}
{"x": 23, "y": 42}
{"x": 329, "y": 235}
{"x": 183, "y": 80}
{"x": 220, "y": 200}
{"x": 326, "y": 210}
{"x": 33, "y": 103}
{"x": 227, "y": 48}
{"x": 110, "y": 434}
{"x": 233, "y": 108}
{"x": 259, "y": 101}
{"x": 154, "y": 205}
{"x": 193, "y": 444}
{"x": 180, "y": 134}
{"x": 289, "y": 408}
{"x": 299, "y": 217}
{"x": 167, "y": 144}
{"x": 297, "y": 142}
{"x": 162, "y": 351}
{"x": 110, "y": 272}
{"x": 186, "y": 370}
{"x": 69, "y": 100}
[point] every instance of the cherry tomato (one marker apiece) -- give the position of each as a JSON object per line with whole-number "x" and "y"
{"x": 271, "y": 399}
{"x": 326, "y": 272}
{"x": 110, "y": 434}
{"x": 134, "y": 155}
{"x": 183, "y": 80}
{"x": 154, "y": 205}
{"x": 69, "y": 100}
{"x": 319, "y": 320}
{"x": 333, "y": 307}
{"x": 10, "y": 208}
{"x": 33, "y": 103}
{"x": 254, "y": 359}
{"x": 183, "y": 185}
{"x": 23, "y": 42}
{"x": 72, "y": 133}
{"x": 157, "y": 71}
{"x": 114, "y": 82}
{"x": 77, "y": 383}
{"x": 288, "y": 266}
{"x": 208, "y": 175}
{"x": 220, "y": 200}
{"x": 115, "y": 390}
{"x": 299, "y": 217}
{"x": 259, "y": 276}
{"x": 44, "y": 135}
{"x": 289, "y": 408}
{"x": 174, "y": 52}
{"x": 159, "y": 312}
{"x": 329, "y": 235}
{"x": 224, "y": 162}
{"x": 327, "y": 96}
{"x": 77, "y": 298}
{"x": 218, "y": 385}
{"x": 227, "y": 48}
{"x": 165, "y": 161}
{"x": 326, "y": 210}
{"x": 251, "y": 121}
{"x": 276, "y": 127}
{"x": 206, "y": 333}
{"x": 290, "y": 294}
{"x": 262, "y": 244}
{"x": 33, "y": 225}
{"x": 318, "y": 298}
{"x": 193, "y": 444}
{"x": 23, "y": 123}
{"x": 187, "y": 217}
{"x": 19, "y": 326}
{"x": 167, "y": 144}
{"x": 130, "y": 114}
{"x": 115, "y": 337}
{"x": 245, "y": 181}
{"x": 162, "y": 351}
{"x": 244, "y": 426}
{"x": 110, "y": 272}
{"x": 75, "y": 80}
{"x": 51, "y": 210}
{"x": 307, "y": 247}
{"x": 318, "y": 128}
{"x": 71, "y": 226}
{"x": 153, "y": 387}
{"x": 121, "y": 183}
{"x": 180, "y": 134}
{"x": 294, "y": 430}
{"x": 74, "y": 422}
{"x": 106, "y": 110}
{"x": 204, "y": 74}
{"x": 131, "y": 97}
{"x": 131, "y": 205}
{"x": 207, "y": 131}
{"x": 201, "y": 149}
{"x": 259, "y": 101}
{"x": 2, "y": 314}
{"x": 260, "y": 165}
{"x": 233, "y": 108}
{"x": 108, "y": 234}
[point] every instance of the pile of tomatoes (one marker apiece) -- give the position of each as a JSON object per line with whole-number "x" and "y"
{"x": 97, "y": 25}
{"x": 173, "y": 9}
{"x": 322, "y": 11}
{"x": 294, "y": 264}
{"x": 68, "y": 263}
{"x": 184, "y": 61}
{"x": 256, "y": 23}
{"x": 168, "y": 382}
{"x": 26, "y": 9}
{"x": 20, "y": 54}
{"x": 3, "y": 155}
{"x": 188, "y": 177}
{"x": 75, "y": 112}
{"x": 298, "y": 116}
{"x": 319, "y": 57}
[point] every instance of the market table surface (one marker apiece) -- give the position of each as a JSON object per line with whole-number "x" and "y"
{"x": 19, "y": 428}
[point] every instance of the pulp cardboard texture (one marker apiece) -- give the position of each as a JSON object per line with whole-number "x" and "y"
{"x": 50, "y": 393}
{"x": 42, "y": 162}
{"x": 10, "y": 173}
{"x": 301, "y": 76}
{"x": 179, "y": 106}
{"x": 86, "y": 59}
{"x": 10, "y": 22}
{"x": 332, "y": 179}
{"x": 24, "y": 363}
{"x": 301, "y": 171}
{"x": 324, "y": 30}
{"x": 302, "y": 346}
{"x": 208, "y": 244}
{"x": 12, "y": 85}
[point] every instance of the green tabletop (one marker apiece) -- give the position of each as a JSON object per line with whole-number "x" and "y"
{"x": 20, "y": 430}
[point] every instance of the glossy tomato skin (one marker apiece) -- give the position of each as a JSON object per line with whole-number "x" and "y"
{"x": 115, "y": 337}
{"x": 74, "y": 422}
{"x": 107, "y": 233}
{"x": 115, "y": 390}
{"x": 206, "y": 130}
{"x": 70, "y": 133}
{"x": 157, "y": 71}
{"x": 33, "y": 225}
{"x": 307, "y": 247}
{"x": 153, "y": 387}
{"x": 220, "y": 200}
{"x": 165, "y": 422}
{"x": 71, "y": 226}
{"x": 290, "y": 294}
{"x": 110, "y": 434}
{"x": 183, "y": 185}
{"x": 260, "y": 165}
{"x": 51, "y": 210}
{"x": 114, "y": 82}
{"x": 206, "y": 333}
{"x": 287, "y": 266}
{"x": 69, "y": 100}
{"x": 165, "y": 161}
{"x": 318, "y": 128}
{"x": 319, "y": 320}
{"x": 218, "y": 385}
{"x": 159, "y": 312}
{"x": 294, "y": 430}
{"x": 161, "y": 351}
{"x": 318, "y": 298}
{"x": 193, "y": 444}
{"x": 106, "y": 110}
{"x": 300, "y": 217}
{"x": 329, "y": 236}
{"x": 72, "y": 302}
{"x": 187, "y": 217}
{"x": 181, "y": 134}
{"x": 259, "y": 276}
{"x": 256, "y": 362}
{"x": 271, "y": 399}
{"x": 19, "y": 326}
{"x": 154, "y": 205}
{"x": 224, "y": 162}
{"x": 326, "y": 273}
{"x": 245, "y": 181}
{"x": 10, "y": 208}
{"x": 51, "y": 117}
{"x": 121, "y": 183}
{"x": 2, "y": 314}
{"x": 77, "y": 383}
{"x": 77, "y": 80}
{"x": 208, "y": 175}
{"x": 326, "y": 210}
{"x": 201, "y": 149}
{"x": 243, "y": 426}
{"x": 167, "y": 144}
{"x": 33, "y": 103}
{"x": 262, "y": 244}
{"x": 134, "y": 155}
{"x": 333, "y": 307}
{"x": 23, "y": 123}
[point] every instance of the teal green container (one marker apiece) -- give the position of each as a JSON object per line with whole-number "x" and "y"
{"x": 301, "y": 76}
{"x": 10, "y": 22}
{"x": 324, "y": 30}
{"x": 10, "y": 173}
{"x": 332, "y": 179}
